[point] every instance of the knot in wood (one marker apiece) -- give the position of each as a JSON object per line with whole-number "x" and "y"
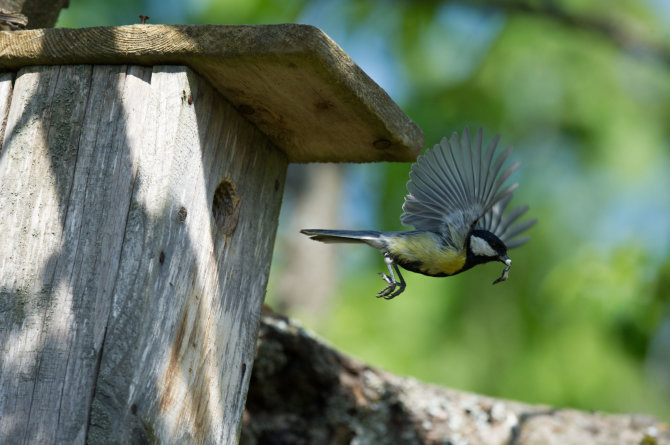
{"x": 225, "y": 207}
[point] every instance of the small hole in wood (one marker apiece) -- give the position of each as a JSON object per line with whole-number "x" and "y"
{"x": 225, "y": 207}
{"x": 181, "y": 214}
{"x": 133, "y": 409}
{"x": 161, "y": 257}
{"x": 381, "y": 144}
{"x": 323, "y": 105}
{"x": 246, "y": 109}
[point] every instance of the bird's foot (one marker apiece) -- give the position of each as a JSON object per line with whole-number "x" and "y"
{"x": 390, "y": 292}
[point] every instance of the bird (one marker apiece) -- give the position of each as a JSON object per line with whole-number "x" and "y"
{"x": 456, "y": 204}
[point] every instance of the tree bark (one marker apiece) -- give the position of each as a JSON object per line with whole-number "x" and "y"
{"x": 304, "y": 392}
{"x": 40, "y": 13}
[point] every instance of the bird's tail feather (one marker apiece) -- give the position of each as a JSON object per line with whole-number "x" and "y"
{"x": 370, "y": 237}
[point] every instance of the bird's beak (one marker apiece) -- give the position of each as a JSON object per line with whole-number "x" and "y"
{"x": 505, "y": 259}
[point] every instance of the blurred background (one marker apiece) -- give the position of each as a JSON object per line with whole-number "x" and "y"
{"x": 581, "y": 89}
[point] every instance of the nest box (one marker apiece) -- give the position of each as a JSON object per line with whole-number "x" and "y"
{"x": 141, "y": 175}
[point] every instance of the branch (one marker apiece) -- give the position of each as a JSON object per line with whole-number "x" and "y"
{"x": 40, "y": 13}
{"x": 303, "y": 391}
{"x": 12, "y": 21}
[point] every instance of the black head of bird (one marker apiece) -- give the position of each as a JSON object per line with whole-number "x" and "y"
{"x": 456, "y": 204}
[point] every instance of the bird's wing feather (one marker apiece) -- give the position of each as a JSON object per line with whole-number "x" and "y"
{"x": 454, "y": 184}
{"x": 505, "y": 225}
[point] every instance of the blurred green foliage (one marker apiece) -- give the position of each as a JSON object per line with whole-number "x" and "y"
{"x": 582, "y": 90}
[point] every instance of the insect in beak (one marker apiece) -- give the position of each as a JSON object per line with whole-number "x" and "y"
{"x": 508, "y": 262}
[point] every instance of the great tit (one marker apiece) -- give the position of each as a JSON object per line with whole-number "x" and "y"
{"x": 455, "y": 203}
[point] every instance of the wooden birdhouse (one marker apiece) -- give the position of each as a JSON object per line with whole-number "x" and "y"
{"x": 141, "y": 176}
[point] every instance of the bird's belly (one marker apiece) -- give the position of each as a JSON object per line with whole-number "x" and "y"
{"x": 426, "y": 254}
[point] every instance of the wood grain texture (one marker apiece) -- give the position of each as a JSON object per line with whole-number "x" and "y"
{"x": 292, "y": 81}
{"x": 137, "y": 227}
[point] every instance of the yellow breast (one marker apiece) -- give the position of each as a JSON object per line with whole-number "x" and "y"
{"x": 425, "y": 253}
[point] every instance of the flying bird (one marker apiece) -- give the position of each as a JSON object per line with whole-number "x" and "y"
{"x": 456, "y": 204}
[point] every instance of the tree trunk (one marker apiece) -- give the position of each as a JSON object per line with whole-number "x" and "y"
{"x": 139, "y": 213}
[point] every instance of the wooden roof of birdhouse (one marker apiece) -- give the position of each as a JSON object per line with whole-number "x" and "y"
{"x": 292, "y": 81}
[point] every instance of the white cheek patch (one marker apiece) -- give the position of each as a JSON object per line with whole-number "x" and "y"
{"x": 481, "y": 247}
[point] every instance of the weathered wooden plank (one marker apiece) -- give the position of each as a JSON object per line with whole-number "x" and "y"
{"x": 6, "y": 86}
{"x": 36, "y": 172}
{"x": 139, "y": 212}
{"x": 292, "y": 81}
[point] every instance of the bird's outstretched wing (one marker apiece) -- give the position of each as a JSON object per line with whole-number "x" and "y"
{"x": 504, "y": 225}
{"x": 454, "y": 184}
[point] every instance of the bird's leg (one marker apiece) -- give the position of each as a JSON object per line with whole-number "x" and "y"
{"x": 390, "y": 291}
{"x": 401, "y": 284}
{"x": 390, "y": 278}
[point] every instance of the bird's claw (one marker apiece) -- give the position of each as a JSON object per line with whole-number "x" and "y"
{"x": 387, "y": 292}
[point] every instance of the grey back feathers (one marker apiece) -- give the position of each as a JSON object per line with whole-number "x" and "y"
{"x": 456, "y": 186}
